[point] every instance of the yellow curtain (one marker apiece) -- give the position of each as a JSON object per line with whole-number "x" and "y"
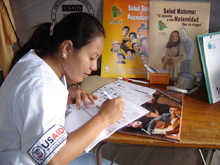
{"x": 7, "y": 37}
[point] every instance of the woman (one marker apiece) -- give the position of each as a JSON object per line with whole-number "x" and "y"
{"x": 121, "y": 58}
{"x": 136, "y": 49}
{"x": 34, "y": 96}
{"x": 132, "y": 36}
{"x": 173, "y": 55}
{"x": 130, "y": 55}
{"x": 144, "y": 44}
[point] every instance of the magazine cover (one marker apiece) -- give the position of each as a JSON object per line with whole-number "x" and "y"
{"x": 126, "y": 24}
{"x": 173, "y": 29}
{"x": 164, "y": 119}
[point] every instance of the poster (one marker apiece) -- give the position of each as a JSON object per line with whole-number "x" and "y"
{"x": 183, "y": 20}
{"x": 126, "y": 24}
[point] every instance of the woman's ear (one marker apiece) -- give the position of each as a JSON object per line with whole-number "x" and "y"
{"x": 67, "y": 47}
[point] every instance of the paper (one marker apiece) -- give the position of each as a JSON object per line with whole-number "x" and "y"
{"x": 211, "y": 46}
{"x": 132, "y": 109}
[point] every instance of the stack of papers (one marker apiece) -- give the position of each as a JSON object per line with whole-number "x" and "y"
{"x": 133, "y": 96}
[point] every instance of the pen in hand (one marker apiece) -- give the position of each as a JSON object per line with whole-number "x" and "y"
{"x": 107, "y": 95}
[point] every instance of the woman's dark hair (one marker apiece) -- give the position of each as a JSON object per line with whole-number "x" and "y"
{"x": 81, "y": 28}
{"x": 142, "y": 39}
{"x": 121, "y": 54}
{"x": 170, "y": 42}
{"x": 126, "y": 27}
{"x": 135, "y": 35}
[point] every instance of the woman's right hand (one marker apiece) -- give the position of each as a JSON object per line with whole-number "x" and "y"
{"x": 112, "y": 110}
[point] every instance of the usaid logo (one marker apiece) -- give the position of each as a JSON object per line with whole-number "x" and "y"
{"x": 62, "y": 8}
{"x": 38, "y": 153}
{"x": 50, "y": 142}
{"x": 54, "y": 136}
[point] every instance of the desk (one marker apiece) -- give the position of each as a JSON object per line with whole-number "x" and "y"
{"x": 200, "y": 122}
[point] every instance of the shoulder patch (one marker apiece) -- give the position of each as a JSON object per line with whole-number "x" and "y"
{"x": 48, "y": 144}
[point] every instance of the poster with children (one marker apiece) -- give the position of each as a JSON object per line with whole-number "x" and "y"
{"x": 126, "y": 24}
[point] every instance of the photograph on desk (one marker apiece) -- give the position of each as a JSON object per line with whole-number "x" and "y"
{"x": 173, "y": 27}
{"x": 164, "y": 119}
{"x": 126, "y": 24}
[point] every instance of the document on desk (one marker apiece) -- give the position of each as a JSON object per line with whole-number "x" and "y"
{"x": 132, "y": 109}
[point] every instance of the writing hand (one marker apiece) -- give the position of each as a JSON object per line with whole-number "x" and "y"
{"x": 112, "y": 110}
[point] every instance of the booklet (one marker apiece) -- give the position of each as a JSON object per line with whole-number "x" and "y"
{"x": 164, "y": 119}
{"x": 133, "y": 96}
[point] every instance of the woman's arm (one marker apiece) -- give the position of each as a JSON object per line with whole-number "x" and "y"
{"x": 181, "y": 55}
{"x": 110, "y": 112}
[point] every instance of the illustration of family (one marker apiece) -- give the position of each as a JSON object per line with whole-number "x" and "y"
{"x": 178, "y": 54}
{"x": 133, "y": 46}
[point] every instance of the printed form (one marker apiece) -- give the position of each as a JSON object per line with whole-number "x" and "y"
{"x": 133, "y": 96}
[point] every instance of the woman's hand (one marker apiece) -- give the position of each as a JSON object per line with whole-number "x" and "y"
{"x": 170, "y": 61}
{"x": 112, "y": 110}
{"x": 78, "y": 94}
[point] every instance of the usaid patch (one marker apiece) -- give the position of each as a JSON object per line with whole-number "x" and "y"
{"x": 48, "y": 144}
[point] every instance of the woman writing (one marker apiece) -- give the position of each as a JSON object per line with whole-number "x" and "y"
{"x": 173, "y": 55}
{"x": 34, "y": 95}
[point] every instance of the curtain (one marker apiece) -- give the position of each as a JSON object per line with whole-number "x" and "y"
{"x": 7, "y": 36}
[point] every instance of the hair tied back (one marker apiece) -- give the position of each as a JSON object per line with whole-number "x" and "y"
{"x": 51, "y": 28}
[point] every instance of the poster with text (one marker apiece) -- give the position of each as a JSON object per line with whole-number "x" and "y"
{"x": 173, "y": 29}
{"x": 126, "y": 24}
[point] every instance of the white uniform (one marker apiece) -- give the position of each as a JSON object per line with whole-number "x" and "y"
{"x": 33, "y": 104}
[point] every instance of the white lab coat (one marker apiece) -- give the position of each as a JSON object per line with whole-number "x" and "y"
{"x": 33, "y": 99}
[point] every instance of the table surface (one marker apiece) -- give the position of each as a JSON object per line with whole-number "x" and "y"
{"x": 200, "y": 122}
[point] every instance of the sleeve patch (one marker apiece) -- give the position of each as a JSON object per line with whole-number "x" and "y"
{"x": 48, "y": 144}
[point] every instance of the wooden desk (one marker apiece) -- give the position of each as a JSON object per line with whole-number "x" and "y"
{"x": 200, "y": 122}
{"x": 200, "y": 128}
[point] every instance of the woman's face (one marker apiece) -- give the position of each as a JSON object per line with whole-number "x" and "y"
{"x": 79, "y": 64}
{"x": 132, "y": 37}
{"x": 120, "y": 58}
{"x": 129, "y": 54}
{"x": 135, "y": 47}
{"x": 175, "y": 37}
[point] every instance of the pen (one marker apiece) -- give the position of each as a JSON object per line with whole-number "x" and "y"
{"x": 169, "y": 96}
{"x": 150, "y": 69}
{"x": 107, "y": 95}
{"x": 132, "y": 80}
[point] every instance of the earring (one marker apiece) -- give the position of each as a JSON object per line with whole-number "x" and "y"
{"x": 64, "y": 55}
